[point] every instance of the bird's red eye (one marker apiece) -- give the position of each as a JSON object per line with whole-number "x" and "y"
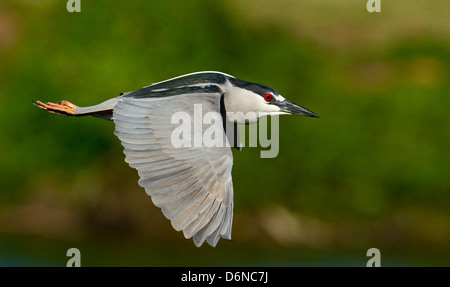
{"x": 268, "y": 97}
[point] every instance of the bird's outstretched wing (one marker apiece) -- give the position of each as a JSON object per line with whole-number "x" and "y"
{"x": 192, "y": 185}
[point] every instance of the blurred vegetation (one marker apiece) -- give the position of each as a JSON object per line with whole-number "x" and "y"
{"x": 371, "y": 172}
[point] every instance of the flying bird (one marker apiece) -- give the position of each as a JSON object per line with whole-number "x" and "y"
{"x": 191, "y": 184}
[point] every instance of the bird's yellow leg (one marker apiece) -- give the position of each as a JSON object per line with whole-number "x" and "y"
{"x": 61, "y": 108}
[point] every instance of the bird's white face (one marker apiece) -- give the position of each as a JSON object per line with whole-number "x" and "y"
{"x": 245, "y": 106}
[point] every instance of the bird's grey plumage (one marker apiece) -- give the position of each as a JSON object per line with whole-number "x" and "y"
{"x": 192, "y": 185}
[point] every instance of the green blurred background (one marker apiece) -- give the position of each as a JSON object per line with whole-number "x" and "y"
{"x": 373, "y": 171}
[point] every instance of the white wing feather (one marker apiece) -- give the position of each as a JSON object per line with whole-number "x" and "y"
{"x": 192, "y": 186}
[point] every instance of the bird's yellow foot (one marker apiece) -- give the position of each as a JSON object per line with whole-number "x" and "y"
{"x": 61, "y": 108}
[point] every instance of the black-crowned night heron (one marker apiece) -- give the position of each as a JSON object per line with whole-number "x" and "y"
{"x": 191, "y": 184}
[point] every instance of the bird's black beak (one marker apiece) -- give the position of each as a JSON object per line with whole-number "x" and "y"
{"x": 291, "y": 108}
